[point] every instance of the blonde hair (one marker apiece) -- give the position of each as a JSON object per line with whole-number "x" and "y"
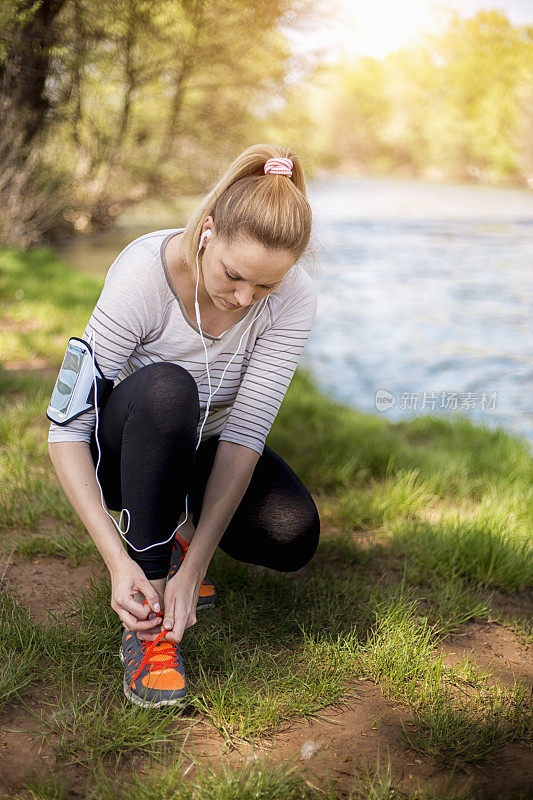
{"x": 271, "y": 209}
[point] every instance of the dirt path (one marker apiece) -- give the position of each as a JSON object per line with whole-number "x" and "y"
{"x": 336, "y": 741}
{"x": 45, "y": 585}
{"x": 492, "y": 647}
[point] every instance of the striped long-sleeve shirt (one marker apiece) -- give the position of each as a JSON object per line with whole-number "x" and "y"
{"x": 140, "y": 319}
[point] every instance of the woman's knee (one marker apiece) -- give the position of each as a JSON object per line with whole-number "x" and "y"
{"x": 166, "y": 395}
{"x": 300, "y": 539}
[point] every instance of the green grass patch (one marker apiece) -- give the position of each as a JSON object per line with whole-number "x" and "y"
{"x": 382, "y": 502}
{"x": 42, "y": 303}
{"x": 28, "y": 488}
{"x": 42, "y": 300}
{"x": 471, "y": 728}
{"x": 275, "y": 651}
{"x": 260, "y": 779}
{"x": 452, "y": 603}
{"x": 461, "y": 716}
{"x": 19, "y": 649}
{"x": 15, "y": 674}
{"x": 74, "y": 547}
{"x": 92, "y": 726}
{"x": 522, "y": 626}
{"x": 486, "y": 551}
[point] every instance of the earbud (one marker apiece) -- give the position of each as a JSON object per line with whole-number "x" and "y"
{"x": 205, "y": 235}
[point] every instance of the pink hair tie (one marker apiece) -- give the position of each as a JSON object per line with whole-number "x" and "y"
{"x": 278, "y": 166}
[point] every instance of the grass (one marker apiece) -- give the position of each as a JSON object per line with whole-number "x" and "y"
{"x": 260, "y": 675}
{"x": 15, "y": 675}
{"x": 522, "y": 626}
{"x": 90, "y": 726}
{"x": 19, "y": 648}
{"x": 258, "y": 780}
{"x": 72, "y": 546}
{"x": 482, "y": 550}
{"x": 471, "y": 728}
{"x": 441, "y": 510}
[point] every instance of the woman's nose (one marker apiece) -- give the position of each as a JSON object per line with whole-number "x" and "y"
{"x": 244, "y": 296}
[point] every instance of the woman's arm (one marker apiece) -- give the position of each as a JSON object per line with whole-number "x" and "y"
{"x": 230, "y": 476}
{"x": 74, "y": 467}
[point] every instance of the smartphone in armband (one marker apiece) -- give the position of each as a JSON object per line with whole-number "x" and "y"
{"x": 73, "y": 392}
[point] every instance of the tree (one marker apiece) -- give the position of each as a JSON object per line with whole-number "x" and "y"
{"x": 28, "y": 37}
{"x": 141, "y": 97}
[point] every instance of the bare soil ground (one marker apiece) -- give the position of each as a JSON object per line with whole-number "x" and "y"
{"x": 336, "y": 741}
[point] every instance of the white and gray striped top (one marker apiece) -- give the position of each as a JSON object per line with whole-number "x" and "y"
{"x": 140, "y": 319}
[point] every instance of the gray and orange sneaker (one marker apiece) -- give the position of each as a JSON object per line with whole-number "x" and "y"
{"x": 208, "y": 596}
{"x": 154, "y": 674}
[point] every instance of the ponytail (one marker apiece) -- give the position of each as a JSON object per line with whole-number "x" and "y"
{"x": 268, "y": 208}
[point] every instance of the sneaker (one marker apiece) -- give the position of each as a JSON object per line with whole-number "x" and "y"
{"x": 208, "y": 596}
{"x": 154, "y": 674}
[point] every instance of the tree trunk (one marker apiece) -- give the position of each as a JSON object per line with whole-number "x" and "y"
{"x": 25, "y": 69}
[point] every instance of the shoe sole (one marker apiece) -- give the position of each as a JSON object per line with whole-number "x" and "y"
{"x": 133, "y": 698}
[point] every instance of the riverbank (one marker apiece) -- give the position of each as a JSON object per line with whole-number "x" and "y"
{"x": 406, "y": 637}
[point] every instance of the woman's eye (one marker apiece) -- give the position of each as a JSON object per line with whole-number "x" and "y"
{"x": 236, "y": 279}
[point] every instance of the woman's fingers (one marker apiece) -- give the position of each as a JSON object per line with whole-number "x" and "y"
{"x": 180, "y": 622}
{"x": 173, "y": 623}
{"x": 129, "y": 621}
{"x": 150, "y": 594}
{"x": 180, "y": 607}
{"x": 140, "y": 624}
{"x": 148, "y": 624}
{"x": 168, "y": 621}
{"x": 130, "y": 610}
{"x": 138, "y": 610}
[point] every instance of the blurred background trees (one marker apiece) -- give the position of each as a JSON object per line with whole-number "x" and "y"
{"x": 457, "y": 106}
{"x": 106, "y": 102}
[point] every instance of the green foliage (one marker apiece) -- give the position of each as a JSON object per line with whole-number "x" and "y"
{"x": 141, "y": 98}
{"x": 486, "y": 550}
{"x": 471, "y": 729}
{"x": 457, "y": 105}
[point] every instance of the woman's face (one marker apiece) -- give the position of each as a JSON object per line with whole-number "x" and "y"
{"x": 241, "y": 273}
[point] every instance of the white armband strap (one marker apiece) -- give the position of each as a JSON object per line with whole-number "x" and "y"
{"x": 74, "y": 389}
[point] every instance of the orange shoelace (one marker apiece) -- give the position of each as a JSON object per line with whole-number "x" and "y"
{"x": 165, "y": 649}
{"x": 184, "y": 546}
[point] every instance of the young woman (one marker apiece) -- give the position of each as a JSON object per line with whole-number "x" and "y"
{"x": 200, "y": 329}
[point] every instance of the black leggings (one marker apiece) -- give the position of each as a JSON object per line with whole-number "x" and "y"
{"x": 147, "y": 435}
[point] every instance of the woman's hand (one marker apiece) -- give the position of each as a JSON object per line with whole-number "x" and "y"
{"x": 181, "y": 596}
{"x": 127, "y": 580}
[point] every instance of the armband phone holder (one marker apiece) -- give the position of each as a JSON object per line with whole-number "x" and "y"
{"x": 74, "y": 389}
